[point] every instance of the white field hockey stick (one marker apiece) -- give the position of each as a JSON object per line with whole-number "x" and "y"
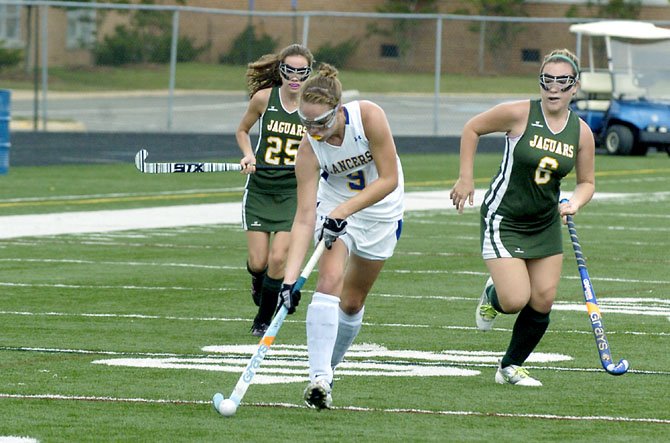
{"x": 592, "y": 307}
{"x": 227, "y": 407}
{"x": 182, "y": 167}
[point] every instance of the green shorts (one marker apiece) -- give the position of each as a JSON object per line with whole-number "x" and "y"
{"x": 268, "y": 212}
{"x": 501, "y": 237}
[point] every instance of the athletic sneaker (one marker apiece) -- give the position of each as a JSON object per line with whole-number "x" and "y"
{"x": 515, "y": 375}
{"x": 485, "y": 313}
{"x": 317, "y": 394}
{"x": 258, "y": 329}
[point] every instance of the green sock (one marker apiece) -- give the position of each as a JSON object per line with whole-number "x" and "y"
{"x": 269, "y": 297}
{"x": 257, "y": 278}
{"x": 528, "y": 330}
{"x": 493, "y": 296}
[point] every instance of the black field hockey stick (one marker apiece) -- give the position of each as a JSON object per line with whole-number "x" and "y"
{"x": 592, "y": 307}
{"x": 190, "y": 168}
{"x": 228, "y": 407}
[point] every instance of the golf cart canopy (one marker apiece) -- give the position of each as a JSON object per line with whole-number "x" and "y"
{"x": 624, "y": 93}
{"x": 635, "y": 57}
{"x": 622, "y": 29}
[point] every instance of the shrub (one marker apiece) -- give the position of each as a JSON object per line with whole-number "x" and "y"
{"x": 187, "y": 51}
{"x": 127, "y": 46}
{"x": 121, "y": 48}
{"x": 9, "y": 57}
{"x": 247, "y": 47}
{"x": 337, "y": 55}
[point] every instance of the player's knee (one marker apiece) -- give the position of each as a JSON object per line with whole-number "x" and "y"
{"x": 277, "y": 262}
{"x": 256, "y": 265}
{"x": 351, "y": 307}
{"x": 329, "y": 283}
{"x": 542, "y": 301}
{"x": 512, "y": 303}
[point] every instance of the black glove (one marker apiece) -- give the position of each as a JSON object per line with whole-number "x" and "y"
{"x": 331, "y": 229}
{"x": 288, "y": 298}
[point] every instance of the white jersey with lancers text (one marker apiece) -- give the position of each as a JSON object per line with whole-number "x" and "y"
{"x": 349, "y": 168}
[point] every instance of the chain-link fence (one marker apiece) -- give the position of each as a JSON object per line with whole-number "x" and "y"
{"x": 440, "y": 46}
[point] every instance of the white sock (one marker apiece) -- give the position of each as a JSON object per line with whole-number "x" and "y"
{"x": 347, "y": 330}
{"x": 322, "y": 319}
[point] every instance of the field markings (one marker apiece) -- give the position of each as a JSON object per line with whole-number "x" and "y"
{"x": 115, "y": 287}
{"x": 652, "y": 310}
{"x": 238, "y": 268}
{"x": 83, "y": 198}
{"x": 479, "y": 414}
{"x": 242, "y": 359}
{"x": 17, "y": 439}
{"x": 13, "y": 226}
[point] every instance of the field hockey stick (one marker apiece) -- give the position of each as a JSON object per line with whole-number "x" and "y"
{"x": 227, "y": 407}
{"x": 592, "y": 307}
{"x": 181, "y": 167}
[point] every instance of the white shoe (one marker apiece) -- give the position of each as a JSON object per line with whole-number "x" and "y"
{"x": 515, "y": 375}
{"x": 317, "y": 394}
{"x": 485, "y": 313}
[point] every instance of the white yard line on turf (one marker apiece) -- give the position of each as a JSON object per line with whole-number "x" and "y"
{"x": 13, "y": 226}
{"x": 15, "y": 439}
{"x": 347, "y": 408}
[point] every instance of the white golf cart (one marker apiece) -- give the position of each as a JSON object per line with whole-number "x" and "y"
{"x": 625, "y": 90}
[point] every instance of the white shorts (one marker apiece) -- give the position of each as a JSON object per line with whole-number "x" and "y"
{"x": 368, "y": 239}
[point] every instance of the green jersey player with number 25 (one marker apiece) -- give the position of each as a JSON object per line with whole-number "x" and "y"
{"x": 269, "y": 200}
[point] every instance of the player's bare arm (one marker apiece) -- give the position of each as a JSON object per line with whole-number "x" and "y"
{"x": 383, "y": 150}
{"x": 307, "y": 174}
{"x": 255, "y": 109}
{"x": 584, "y": 171}
{"x": 509, "y": 118}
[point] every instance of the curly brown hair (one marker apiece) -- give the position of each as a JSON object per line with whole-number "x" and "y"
{"x": 264, "y": 72}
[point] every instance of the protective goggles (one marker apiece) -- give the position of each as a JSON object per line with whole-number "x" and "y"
{"x": 288, "y": 72}
{"x": 562, "y": 82}
{"x": 324, "y": 121}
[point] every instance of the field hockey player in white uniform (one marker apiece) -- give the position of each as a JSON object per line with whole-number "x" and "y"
{"x": 350, "y": 188}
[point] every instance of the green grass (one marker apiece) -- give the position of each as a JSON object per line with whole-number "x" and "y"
{"x": 200, "y": 76}
{"x": 69, "y": 300}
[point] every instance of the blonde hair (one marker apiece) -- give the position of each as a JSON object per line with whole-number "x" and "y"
{"x": 562, "y": 55}
{"x": 324, "y": 88}
{"x": 264, "y": 72}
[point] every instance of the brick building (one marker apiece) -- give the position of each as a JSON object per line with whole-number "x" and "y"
{"x": 467, "y": 46}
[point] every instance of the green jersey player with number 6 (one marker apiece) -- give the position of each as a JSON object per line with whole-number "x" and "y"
{"x": 521, "y": 216}
{"x": 270, "y": 200}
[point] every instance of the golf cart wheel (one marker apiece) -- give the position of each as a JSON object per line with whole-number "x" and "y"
{"x": 619, "y": 140}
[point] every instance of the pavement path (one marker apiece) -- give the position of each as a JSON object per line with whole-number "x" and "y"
{"x": 14, "y": 226}
{"x": 220, "y": 112}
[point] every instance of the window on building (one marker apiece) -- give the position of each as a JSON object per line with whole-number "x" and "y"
{"x": 530, "y": 55}
{"x": 10, "y": 30}
{"x": 80, "y": 28}
{"x": 387, "y": 50}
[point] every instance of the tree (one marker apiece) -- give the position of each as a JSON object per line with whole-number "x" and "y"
{"x": 146, "y": 38}
{"x": 617, "y": 9}
{"x": 402, "y": 32}
{"x": 498, "y": 36}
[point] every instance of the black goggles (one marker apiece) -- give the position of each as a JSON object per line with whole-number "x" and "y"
{"x": 563, "y": 82}
{"x": 325, "y": 120}
{"x": 288, "y": 72}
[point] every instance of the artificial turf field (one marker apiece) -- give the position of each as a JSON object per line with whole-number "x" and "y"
{"x": 126, "y": 335}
